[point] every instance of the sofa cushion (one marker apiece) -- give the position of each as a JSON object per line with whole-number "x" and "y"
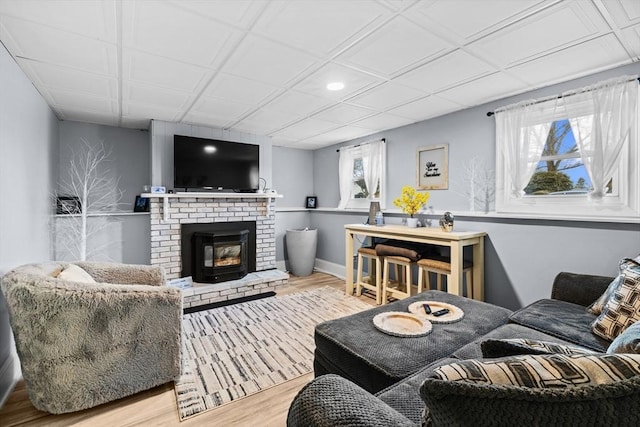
{"x": 623, "y": 308}
{"x": 535, "y": 390}
{"x": 628, "y": 341}
{"x": 520, "y": 346}
{"x": 73, "y": 273}
{"x": 567, "y": 321}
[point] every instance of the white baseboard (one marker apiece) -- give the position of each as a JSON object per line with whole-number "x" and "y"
{"x": 321, "y": 266}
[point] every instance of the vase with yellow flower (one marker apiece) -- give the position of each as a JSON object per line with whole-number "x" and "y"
{"x": 411, "y": 202}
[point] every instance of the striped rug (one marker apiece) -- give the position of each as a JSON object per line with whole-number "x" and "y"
{"x": 235, "y": 351}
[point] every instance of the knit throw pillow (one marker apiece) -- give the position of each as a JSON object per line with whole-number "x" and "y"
{"x": 521, "y": 346}
{"x": 623, "y": 308}
{"x": 452, "y": 392}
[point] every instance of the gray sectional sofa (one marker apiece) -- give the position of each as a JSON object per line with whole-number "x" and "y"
{"x": 354, "y": 391}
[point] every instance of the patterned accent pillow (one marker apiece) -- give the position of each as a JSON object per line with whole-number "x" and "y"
{"x": 598, "y": 305}
{"x": 520, "y": 346}
{"x": 627, "y": 342}
{"x": 517, "y": 383}
{"x": 623, "y": 309}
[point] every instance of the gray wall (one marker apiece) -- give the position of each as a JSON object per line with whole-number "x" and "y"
{"x": 28, "y": 150}
{"x": 293, "y": 178}
{"x": 522, "y": 256}
{"x": 125, "y": 238}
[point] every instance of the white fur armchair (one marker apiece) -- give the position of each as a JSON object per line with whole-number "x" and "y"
{"x": 82, "y": 344}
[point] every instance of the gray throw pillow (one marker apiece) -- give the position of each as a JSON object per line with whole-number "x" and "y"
{"x": 627, "y": 342}
{"x": 521, "y": 346}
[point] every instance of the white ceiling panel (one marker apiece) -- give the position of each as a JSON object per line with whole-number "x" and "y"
{"x": 344, "y": 113}
{"x": 395, "y": 47}
{"x": 303, "y": 23}
{"x": 354, "y": 81}
{"x": 46, "y": 44}
{"x": 144, "y": 68}
{"x": 69, "y": 80}
{"x": 91, "y": 18}
{"x": 386, "y": 96}
{"x": 269, "y": 62}
{"x": 465, "y": 20}
{"x": 484, "y": 90}
{"x": 162, "y": 29}
{"x": 600, "y": 54}
{"x": 572, "y": 22}
{"x": 454, "y": 68}
{"x": 262, "y": 66}
{"x": 428, "y": 107}
{"x": 234, "y": 88}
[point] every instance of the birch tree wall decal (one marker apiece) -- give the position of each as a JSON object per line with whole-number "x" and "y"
{"x": 94, "y": 184}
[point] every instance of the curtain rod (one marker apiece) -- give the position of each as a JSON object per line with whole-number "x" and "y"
{"x": 491, "y": 113}
{"x": 384, "y": 140}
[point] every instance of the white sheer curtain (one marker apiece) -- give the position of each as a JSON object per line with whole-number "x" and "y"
{"x": 521, "y": 141}
{"x": 345, "y": 175}
{"x": 372, "y": 163}
{"x": 602, "y": 132}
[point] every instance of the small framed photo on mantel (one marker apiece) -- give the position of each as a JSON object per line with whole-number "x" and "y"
{"x": 433, "y": 167}
{"x": 312, "y": 202}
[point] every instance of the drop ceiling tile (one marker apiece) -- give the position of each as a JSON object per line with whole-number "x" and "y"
{"x": 142, "y": 94}
{"x": 426, "y": 108}
{"x": 268, "y": 62}
{"x": 266, "y": 121}
{"x": 298, "y": 103}
{"x": 221, "y": 109}
{"x": 383, "y": 121}
{"x": 158, "y": 112}
{"x": 162, "y": 29}
{"x": 395, "y": 47}
{"x": 624, "y": 12}
{"x": 69, "y": 80}
{"x": 386, "y": 96}
{"x": 237, "y": 13}
{"x": 81, "y": 115}
{"x": 227, "y": 86}
{"x": 305, "y": 129}
{"x": 587, "y": 58}
{"x": 573, "y": 22}
{"x": 309, "y": 22}
{"x": 452, "y": 69}
{"x": 91, "y": 18}
{"x": 46, "y": 44}
{"x": 485, "y": 89}
{"x": 71, "y": 100}
{"x": 344, "y": 113}
{"x": 354, "y": 81}
{"x": 465, "y": 20}
{"x": 344, "y": 133}
{"x": 200, "y": 119}
{"x": 144, "y": 68}
{"x": 631, "y": 36}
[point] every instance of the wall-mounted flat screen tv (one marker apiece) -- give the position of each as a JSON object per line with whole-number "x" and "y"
{"x": 209, "y": 164}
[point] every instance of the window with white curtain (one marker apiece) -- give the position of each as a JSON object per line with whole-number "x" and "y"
{"x": 362, "y": 174}
{"x": 575, "y": 156}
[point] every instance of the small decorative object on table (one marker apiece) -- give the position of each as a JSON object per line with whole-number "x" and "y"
{"x": 438, "y": 312}
{"x": 411, "y": 202}
{"x": 446, "y": 222}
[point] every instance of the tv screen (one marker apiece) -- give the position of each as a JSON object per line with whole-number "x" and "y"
{"x": 209, "y": 164}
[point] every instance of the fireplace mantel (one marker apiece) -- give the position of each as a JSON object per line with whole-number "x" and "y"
{"x": 209, "y": 195}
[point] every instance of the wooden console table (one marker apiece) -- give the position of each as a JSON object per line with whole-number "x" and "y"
{"x": 456, "y": 240}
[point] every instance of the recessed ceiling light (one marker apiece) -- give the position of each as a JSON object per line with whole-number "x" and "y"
{"x": 335, "y": 86}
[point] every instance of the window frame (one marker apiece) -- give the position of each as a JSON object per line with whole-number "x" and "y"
{"x": 622, "y": 203}
{"x": 363, "y": 203}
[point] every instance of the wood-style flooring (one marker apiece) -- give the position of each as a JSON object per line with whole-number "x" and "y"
{"x": 157, "y": 407}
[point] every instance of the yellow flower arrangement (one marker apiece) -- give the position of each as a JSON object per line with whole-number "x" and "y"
{"x": 411, "y": 201}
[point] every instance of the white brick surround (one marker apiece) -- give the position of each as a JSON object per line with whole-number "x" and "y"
{"x": 169, "y": 212}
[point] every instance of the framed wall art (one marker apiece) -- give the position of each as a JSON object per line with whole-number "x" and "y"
{"x": 312, "y": 202}
{"x": 433, "y": 167}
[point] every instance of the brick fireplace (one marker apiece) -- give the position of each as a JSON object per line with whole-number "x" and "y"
{"x": 169, "y": 212}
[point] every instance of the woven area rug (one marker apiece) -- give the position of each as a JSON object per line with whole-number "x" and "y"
{"x": 235, "y": 351}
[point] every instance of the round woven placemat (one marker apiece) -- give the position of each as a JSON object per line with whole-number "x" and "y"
{"x": 455, "y": 314}
{"x": 402, "y": 324}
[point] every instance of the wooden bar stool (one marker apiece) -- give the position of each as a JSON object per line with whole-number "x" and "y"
{"x": 373, "y": 282}
{"x": 403, "y": 267}
{"x": 441, "y": 266}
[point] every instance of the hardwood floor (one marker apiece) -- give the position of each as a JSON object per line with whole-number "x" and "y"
{"x": 157, "y": 407}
